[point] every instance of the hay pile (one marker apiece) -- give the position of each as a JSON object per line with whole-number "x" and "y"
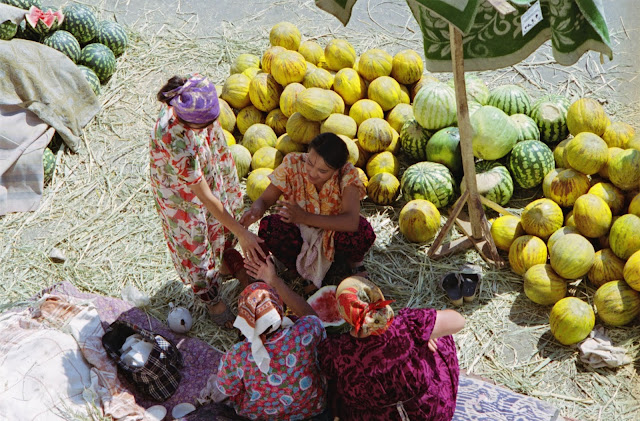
{"x": 99, "y": 211}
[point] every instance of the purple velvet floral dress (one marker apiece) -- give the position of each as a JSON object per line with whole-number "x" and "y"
{"x": 371, "y": 376}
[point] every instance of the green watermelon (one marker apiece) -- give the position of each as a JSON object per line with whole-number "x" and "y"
{"x": 512, "y": 99}
{"x": 92, "y": 78}
{"x": 64, "y": 42}
{"x": 444, "y": 148}
{"x": 48, "y": 164}
{"x": 99, "y": 58}
{"x": 26, "y": 32}
{"x": 493, "y": 133}
{"x": 527, "y": 128}
{"x": 530, "y": 161}
{"x": 113, "y": 35}
{"x": 494, "y": 182}
{"x": 476, "y": 89}
{"x": 8, "y": 30}
{"x": 429, "y": 181}
{"x": 413, "y": 140}
{"x": 80, "y": 21}
{"x": 22, "y": 4}
{"x": 550, "y": 114}
{"x": 434, "y": 106}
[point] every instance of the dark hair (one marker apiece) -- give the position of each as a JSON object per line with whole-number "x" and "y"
{"x": 173, "y": 83}
{"x": 331, "y": 148}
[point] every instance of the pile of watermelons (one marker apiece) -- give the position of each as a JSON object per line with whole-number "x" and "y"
{"x": 75, "y": 31}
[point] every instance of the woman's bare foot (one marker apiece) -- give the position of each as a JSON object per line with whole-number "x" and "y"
{"x": 221, "y": 314}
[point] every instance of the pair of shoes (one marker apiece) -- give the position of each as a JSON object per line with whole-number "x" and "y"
{"x": 221, "y": 319}
{"x": 462, "y": 285}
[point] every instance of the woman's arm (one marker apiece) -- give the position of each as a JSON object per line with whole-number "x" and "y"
{"x": 267, "y": 199}
{"x": 249, "y": 242}
{"x": 347, "y": 220}
{"x": 266, "y": 271}
{"x": 447, "y": 323}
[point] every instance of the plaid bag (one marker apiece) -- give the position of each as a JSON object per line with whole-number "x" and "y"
{"x": 160, "y": 376}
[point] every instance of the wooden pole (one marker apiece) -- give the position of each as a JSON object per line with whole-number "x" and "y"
{"x": 476, "y": 212}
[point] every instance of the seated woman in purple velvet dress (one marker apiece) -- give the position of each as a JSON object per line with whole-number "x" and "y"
{"x": 390, "y": 368}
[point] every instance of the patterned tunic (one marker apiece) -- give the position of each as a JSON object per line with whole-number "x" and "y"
{"x": 181, "y": 156}
{"x": 291, "y": 179}
{"x": 292, "y": 390}
{"x": 372, "y": 374}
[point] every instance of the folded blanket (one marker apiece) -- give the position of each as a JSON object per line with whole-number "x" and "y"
{"x": 311, "y": 263}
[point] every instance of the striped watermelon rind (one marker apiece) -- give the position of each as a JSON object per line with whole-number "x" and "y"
{"x": 527, "y": 128}
{"x": 494, "y": 182}
{"x": 413, "y": 140}
{"x": 64, "y": 42}
{"x": 92, "y": 78}
{"x": 429, "y": 181}
{"x": 99, "y": 58}
{"x": 113, "y": 35}
{"x": 80, "y": 21}
{"x": 512, "y": 99}
{"x": 530, "y": 161}
{"x": 476, "y": 89}
{"x": 48, "y": 164}
{"x": 8, "y": 30}
{"x": 550, "y": 114}
{"x": 444, "y": 148}
{"x": 26, "y": 32}
{"x": 434, "y": 106}
{"x": 23, "y": 4}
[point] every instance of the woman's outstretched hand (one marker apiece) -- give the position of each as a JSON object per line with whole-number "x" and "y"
{"x": 290, "y": 212}
{"x": 250, "y": 216}
{"x": 262, "y": 270}
{"x": 250, "y": 244}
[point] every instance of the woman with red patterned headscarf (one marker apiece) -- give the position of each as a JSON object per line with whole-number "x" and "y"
{"x": 400, "y": 366}
{"x": 197, "y": 191}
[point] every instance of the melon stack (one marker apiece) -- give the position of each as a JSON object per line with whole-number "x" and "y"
{"x": 587, "y": 226}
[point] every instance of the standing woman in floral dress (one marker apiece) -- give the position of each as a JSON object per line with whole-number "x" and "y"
{"x": 197, "y": 192}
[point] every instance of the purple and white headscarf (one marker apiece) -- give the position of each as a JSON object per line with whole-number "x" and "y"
{"x": 196, "y": 101}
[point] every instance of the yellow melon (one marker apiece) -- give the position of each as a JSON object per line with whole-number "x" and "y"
{"x": 618, "y": 134}
{"x": 542, "y": 218}
{"x": 612, "y": 195}
{"x": 606, "y": 267}
{"x": 352, "y": 147}
{"x": 266, "y": 157}
{"x": 385, "y": 91}
{"x": 419, "y": 221}
{"x": 374, "y": 63}
{"x": 631, "y": 271}
{"x": 527, "y": 251}
{"x": 314, "y": 104}
{"x": 268, "y": 55}
{"x": 258, "y": 136}
{"x": 363, "y": 177}
{"x": 382, "y": 162}
{"x": 634, "y": 205}
{"x": 339, "y": 53}
{"x": 407, "y": 67}
{"x": 301, "y": 129}
{"x": 236, "y": 90}
{"x": 340, "y": 124}
{"x": 365, "y": 109}
{"x": 247, "y": 117}
{"x": 286, "y": 145}
{"x": 375, "y": 135}
{"x": 277, "y": 121}
{"x": 228, "y": 137}
{"x": 546, "y": 183}
{"x": 288, "y": 67}
{"x": 311, "y": 51}
{"x": 558, "y": 154}
{"x": 363, "y": 156}
{"x": 285, "y": 34}
{"x": 349, "y": 85}
{"x": 634, "y": 143}
{"x": 338, "y": 102}
{"x": 405, "y": 96}
{"x": 257, "y": 182}
{"x": 604, "y": 171}
{"x": 586, "y": 152}
{"x": 568, "y": 219}
{"x": 567, "y": 186}
{"x": 561, "y": 233}
{"x": 505, "y": 229}
{"x": 394, "y": 146}
{"x": 592, "y": 216}
{"x": 318, "y": 78}
{"x": 624, "y": 169}
{"x": 243, "y": 62}
{"x": 289, "y": 97}
{"x": 264, "y": 92}
{"x": 587, "y": 115}
{"x": 251, "y": 72}
{"x": 399, "y": 114}
{"x": 227, "y": 118}
{"x": 572, "y": 256}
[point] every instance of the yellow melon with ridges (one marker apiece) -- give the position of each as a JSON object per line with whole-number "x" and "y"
{"x": 266, "y": 157}
{"x": 288, "y": 67}
{"x": 339, "y": 53}
{"x": 374, "y": 63}
{"x": 311, "y": 51}
{"x": 385, "y": 91}
{"x": 375, "y": 135}
{"x": 318, "y": 78}
{"x": 257, "y": 182}
{"x": 405, "y": 96}
{"x": 612, "y": 195}
{"x": 634, "y": 205}
{"x": 604, "y": 171}
{"x": 363, "y": 177}
{"x": 363, "y": 156}
{"x": 243, "y": 62}
{"x": 592, "y": 215}
{"x": 365, "y": 109}
{"x": 505, "y": 229}
{"x": 268, "y": 56}
{"x": 394, "y": 146}
{"x": 301, "y": 129}
{"x": 586, "y": 152}
{"x": 286, "y": 145}
{"x": 338, "y": 102}
{"x": 229, "y": 138}
{"x": 340, "y": 124}
{"x": 382, "y": 162}
{"x": 236, "y": 90}
{"x": 352, "y": 147}
{"x": 315, "y": 104}
{"x": 247, "y": 117}
{"x": 525, "y": 252}
{"x": 265, "y": 92}
{"x": 277, "y": 121}
{"x": 398, "y": 115}
{"x": 618, "y": 134}
{"x": 258, "y": 136}
{"x": 558, "y": 154}
{"x": 587, "y": 115}
{"x": 285, "y": 34}
{"x": 227, "y": 117}
{"x": 606, "y": 267}
{"x": 251, "y": 72}
{"x": 407, "y": 67}
{"x": 351, "y": 87}
{"x": 289, "y": 97}
{"x": 631, "y": 271}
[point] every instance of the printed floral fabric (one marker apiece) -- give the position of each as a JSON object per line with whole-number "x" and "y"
{"x": 371, "y": 375}
{"x": 293, "y": 389}
{"x": 181, "y": 156}
{"x": 291, "y": 179}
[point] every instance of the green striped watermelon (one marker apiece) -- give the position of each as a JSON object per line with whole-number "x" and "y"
{"x": 413, "y": 140}
{"x": 493, "y": 133}
{"x": 113, "y": 35}
{"x": 26, "y": 32}
{"x": 494, "y": 182}
{"x": 530, "y": 161}
{"x": 444, "y": 148}
{"x": 527, "y": 128}
{"x": 476, "y": 88}
{"x": 22, "y": 4}
{"x": 434, "y": 106}
{"x": 92, "y": 78}
{"x": 80, "y": 21}
{"x": 429, "y": 181}
{"x": 48, "y": 164}
{"x": 8, "y": 30}
{"x": 64, "y": 42}
{"x": 99, "y": 58}
{"x": 512, "y": 99}
{"x": 550, "y": 114}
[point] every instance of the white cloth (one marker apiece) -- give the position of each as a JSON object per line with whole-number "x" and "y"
{"x": 311, "y": 263}
{"x": 597, "y": 351}
{"x": 265, "y": 324}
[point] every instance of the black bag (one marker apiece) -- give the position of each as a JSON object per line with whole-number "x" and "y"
{"x": 160, "y": 376}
